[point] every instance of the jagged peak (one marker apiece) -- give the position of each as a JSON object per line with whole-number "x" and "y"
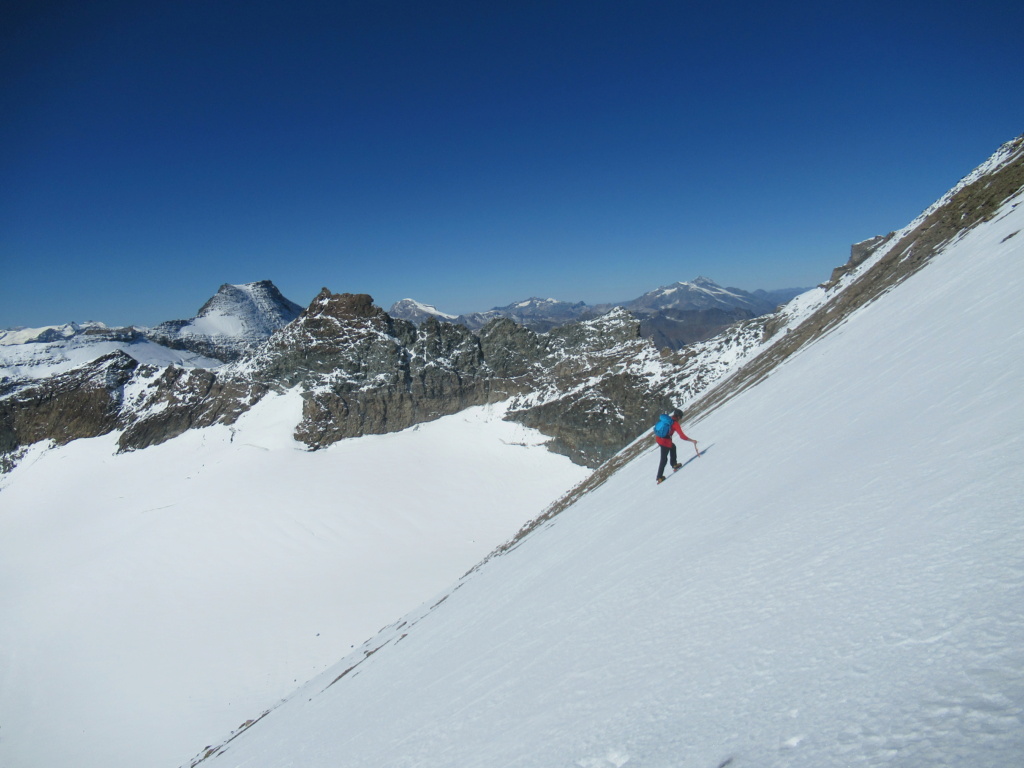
{"x": 343, "y": 306}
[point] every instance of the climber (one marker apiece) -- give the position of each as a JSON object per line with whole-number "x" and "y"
{"x": 667, "y": 424}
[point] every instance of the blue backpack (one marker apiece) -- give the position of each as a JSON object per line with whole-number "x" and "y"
{"x": 664, "y": 426}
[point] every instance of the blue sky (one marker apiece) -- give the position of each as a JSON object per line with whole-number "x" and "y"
{"x": 471, "y": 154}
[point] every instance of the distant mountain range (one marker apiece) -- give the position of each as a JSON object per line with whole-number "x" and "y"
{"x": 671, "y": 316}
{"x": 238, "y": 318}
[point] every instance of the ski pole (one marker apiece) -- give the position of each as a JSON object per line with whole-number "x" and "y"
{"x": 695, "y": 448}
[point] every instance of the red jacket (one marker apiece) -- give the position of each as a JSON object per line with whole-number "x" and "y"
{"x": 667, "y": 441}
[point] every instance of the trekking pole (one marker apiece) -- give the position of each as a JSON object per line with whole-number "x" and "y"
{"x": 695, "y": 448}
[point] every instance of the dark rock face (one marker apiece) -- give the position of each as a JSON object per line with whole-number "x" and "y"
{"x": 365, "y": 373}
{"x": 597, "y": 392}
{"x": 85, "y": 402}
{"x": 593, "y": 424}
{"x": 176, "y": 400}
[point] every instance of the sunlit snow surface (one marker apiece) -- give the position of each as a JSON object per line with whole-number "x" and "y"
{"x": 839, "y": 581}
{"x": 38, "y": 360}
{"x": 151, "y": 602}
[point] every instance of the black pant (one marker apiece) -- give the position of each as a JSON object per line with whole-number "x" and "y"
{"x": 665, "y": 454}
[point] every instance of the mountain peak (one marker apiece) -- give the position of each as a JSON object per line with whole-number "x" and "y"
{"x": 233, "y": 320}
{"x": 343, "y": 306}
{"x": 417, "y": 311}
{"x": 699, "y": 294}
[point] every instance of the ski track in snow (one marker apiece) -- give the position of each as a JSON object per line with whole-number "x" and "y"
{"x": 840, "y": 582}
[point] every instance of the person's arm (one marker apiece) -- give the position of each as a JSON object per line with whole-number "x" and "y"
{"x": 679, "y": 431}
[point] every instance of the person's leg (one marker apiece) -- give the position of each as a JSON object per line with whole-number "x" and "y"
{"x": 672, "y": 450}
{"x": 664, "y": 459}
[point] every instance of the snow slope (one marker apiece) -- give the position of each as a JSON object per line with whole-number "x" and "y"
{"x": 151, "y": 601}
{"x": 37, "y": 360}
{"x": 839, "y": 580}
{"x": 14, "y": 336}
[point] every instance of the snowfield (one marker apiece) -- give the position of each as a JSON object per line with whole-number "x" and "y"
{"x": 837, "y": 581}
{"x": 37, "y": 360}
{"x": 153, "y": 601}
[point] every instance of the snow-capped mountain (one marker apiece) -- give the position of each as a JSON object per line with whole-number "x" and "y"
{"x": 834, "y": 580}
{"x": 31, "y": 355}
{"x": 672, "y": 316}
{"x": 236, "y": 319}
{"x": 540, "y": 315}
{"x": 416, "y": 312}
{"x": 47, "y": 333}
{"x": 701, "y": 293}
{"x": 537, "y": 314}
{"x": 363, "y": 372}
{"x": 233, "y": 321}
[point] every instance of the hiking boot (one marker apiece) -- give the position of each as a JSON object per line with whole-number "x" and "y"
{"x": 676, "y": 467}
{"x": 661, "y": 480}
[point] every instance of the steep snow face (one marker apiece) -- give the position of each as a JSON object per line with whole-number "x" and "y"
{"x": 157, "y": 598}
{"x": 837, "y": 580}
{"x": 251, "y": 310}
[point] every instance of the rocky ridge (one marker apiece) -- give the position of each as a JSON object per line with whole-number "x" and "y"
{"x": 360, "y": 371}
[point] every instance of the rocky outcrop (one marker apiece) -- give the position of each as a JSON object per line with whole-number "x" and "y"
{"x": 85, "y": 402}
{"x": 859, "y": 253}
{"x": 164, "y": 403}
{"x": 596, "y": 385}
{"x": 362, "y": 372}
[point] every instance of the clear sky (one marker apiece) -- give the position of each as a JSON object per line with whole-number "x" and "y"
{"x": 471, "y": 154}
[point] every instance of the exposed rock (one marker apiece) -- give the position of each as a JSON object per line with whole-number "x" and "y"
{"x": 177, "y": 399}
{"x": 85, "y": 402}
{"x": 859, "y": 253}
